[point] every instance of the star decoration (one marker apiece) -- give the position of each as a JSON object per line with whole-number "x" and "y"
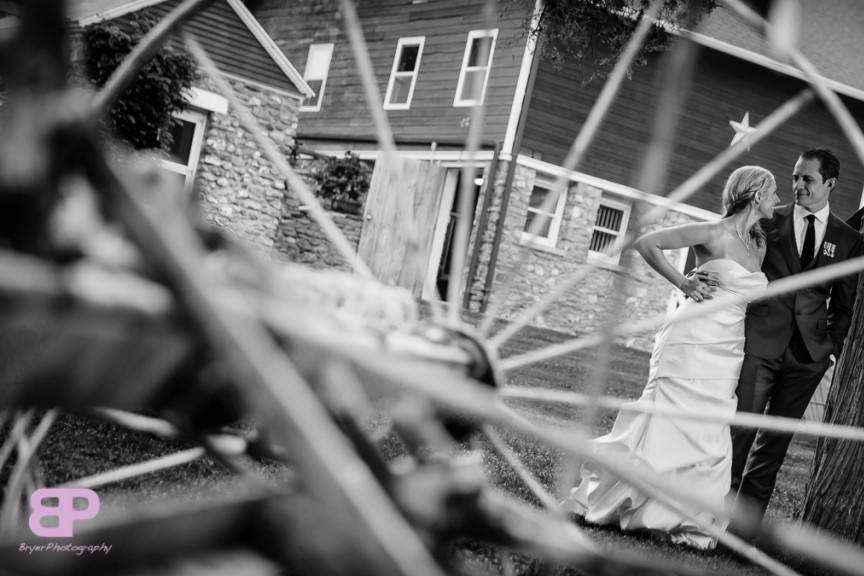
{"x": 742, "y": 129}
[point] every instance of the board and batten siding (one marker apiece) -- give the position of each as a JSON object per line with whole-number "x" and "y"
{"x": 723, "y": 89}
{"x": 431, "y": 117}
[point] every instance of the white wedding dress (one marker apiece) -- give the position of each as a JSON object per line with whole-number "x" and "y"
{"x": 694, "y": 367}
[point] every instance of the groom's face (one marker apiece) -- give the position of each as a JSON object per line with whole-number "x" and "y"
{"x": 810, "y": 190}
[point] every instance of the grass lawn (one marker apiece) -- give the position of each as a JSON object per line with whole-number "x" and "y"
{"x": 77, "y": 448}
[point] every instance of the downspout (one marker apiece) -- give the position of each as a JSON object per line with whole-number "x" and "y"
{"x": 514, "y": 156}
{"x": 481, "y": 225}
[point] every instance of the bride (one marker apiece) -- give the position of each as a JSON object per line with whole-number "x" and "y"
{"x": 694, "y": 367}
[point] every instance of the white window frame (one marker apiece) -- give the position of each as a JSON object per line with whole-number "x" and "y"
{"x": 551, "y": 238}
{"x": 199, "y": 118}
{"x": 420, "y": 42}
{"x": 472, "y": 35}
{"x": 614, "y": 204}
{"x": 311, "y": 74}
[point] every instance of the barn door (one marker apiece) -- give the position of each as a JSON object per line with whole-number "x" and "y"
{"x": 396, "y": 213}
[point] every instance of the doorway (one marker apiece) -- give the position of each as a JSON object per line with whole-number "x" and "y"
{"x": 438, "y": 275}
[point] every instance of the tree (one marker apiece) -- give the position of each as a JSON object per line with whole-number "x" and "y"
{"x": 835, "y": 491}
{"x": 143, "y": 112}
{"x": 599, "y": 29}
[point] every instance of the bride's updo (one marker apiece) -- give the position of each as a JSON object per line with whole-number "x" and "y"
{"x": 744, "y": 184}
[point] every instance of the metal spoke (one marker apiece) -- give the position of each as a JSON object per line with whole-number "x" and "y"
{"x": 143, "y": 51}
{"x": 389, "y": 155}
{"x": 677, "y": 72}
{"x": 296, "y": 183}
{"x": 577, "y": 151}
{"x": 776, "y": 288}
{"x": 462, "y": 234}
{"x": 273, "y": 388}
{"x": 739, "y": 419}
{"x": 139, "y": 469}
{"x": 480, "y": 402}
{"x": 15, "y": 486}
{"x": 543, "y": 495}
{"x": 817, "y": 81}
{"x": 680, "y": 194}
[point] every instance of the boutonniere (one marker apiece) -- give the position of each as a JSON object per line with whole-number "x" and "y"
{"x": 828, "y": 249}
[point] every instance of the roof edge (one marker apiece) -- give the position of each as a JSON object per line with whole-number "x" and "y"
{"x": 116, "y": 12}
{"x": 765, "y": 61}
{"x": 744, "y": 54}
{"x": 272, "y": 49}
{"x": 245, "y": 16}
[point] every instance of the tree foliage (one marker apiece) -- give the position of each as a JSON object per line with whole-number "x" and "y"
{"x": 599, "y": 29}
{"x": 142, "y": 114}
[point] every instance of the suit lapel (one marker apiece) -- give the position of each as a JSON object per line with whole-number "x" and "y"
{"x": 825, "y": 254}
{"x": 786, "y": 240}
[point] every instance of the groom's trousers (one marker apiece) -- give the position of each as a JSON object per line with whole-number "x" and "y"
{"x": 778, "y": 387}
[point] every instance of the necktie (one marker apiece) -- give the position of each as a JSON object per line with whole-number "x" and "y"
{"x": 809, "y": 242}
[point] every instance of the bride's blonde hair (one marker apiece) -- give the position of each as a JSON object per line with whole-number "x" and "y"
{"x": 744, "y": 184}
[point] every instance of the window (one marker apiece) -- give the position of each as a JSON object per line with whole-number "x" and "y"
{"x": 476, "y": 63}
{"x": 403, "y": 75}
{"x": 609, "y": 224}
{"x": 317, "y": 68}
{"x": 187, "y": 133}
{"x": 547, "y": 235}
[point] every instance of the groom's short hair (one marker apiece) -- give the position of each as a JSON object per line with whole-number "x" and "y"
{"x": 829, "y": 165}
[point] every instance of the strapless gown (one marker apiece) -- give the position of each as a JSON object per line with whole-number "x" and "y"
{"x": 694, "y": 366}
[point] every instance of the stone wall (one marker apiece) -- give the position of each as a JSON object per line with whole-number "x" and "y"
{"x": 242, "y": 192}
{"x": 631, "y": 288}
{"x": 239, "y": 189}
{"x": 300, "y": 239}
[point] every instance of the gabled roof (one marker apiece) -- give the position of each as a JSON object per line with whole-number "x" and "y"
{"x": 831, "y": 36}
{"x": 86, "y": 12}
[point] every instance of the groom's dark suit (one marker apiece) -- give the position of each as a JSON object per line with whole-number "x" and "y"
{"x": 788, "y": 343}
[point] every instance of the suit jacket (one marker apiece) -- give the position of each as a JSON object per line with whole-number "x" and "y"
{"x": 856, "y": 220}
{"x": 823, "y": 312}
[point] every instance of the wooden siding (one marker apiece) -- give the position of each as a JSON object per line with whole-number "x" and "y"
{"x": 230, "y": 44}
{"x": 344, "y": 114}
{"x": 723, "y": 89}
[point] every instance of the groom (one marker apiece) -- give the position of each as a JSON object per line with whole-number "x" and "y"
{"x": 792, "y": 339}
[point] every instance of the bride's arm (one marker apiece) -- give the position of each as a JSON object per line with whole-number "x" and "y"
{"x": 651, "y": 246}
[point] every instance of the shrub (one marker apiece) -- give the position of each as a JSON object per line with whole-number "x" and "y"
{"x": 343, "y": 179}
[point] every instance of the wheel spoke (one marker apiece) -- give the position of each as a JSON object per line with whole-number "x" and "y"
{"x": 297, "y": 184}
{"x": 142, "y": 52}
{"x": 738, "y": 419}
{"x": 16, "y": 485}
{"x": 577, "y": 151}
{"x": 680, "y": 194}
{"x": 479, "y": 402}
{"x": 547, "y": 499}
{"x": 138, "y": 469}
{"x": 389, "y": 155}
{"x": 462, "y": 234}
{"x": 817, "y": 81}
{"x": 777, "y": 288}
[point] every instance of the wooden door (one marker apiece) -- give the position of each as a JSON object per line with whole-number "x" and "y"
{"x": 399, "y": 221}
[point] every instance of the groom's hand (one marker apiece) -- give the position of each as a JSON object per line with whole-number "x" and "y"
{"x": 700, "y": 284}
{"x": 710, "y": 279}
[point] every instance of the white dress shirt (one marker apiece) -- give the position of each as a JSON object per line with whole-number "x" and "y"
{"x": 819, "y": 225}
